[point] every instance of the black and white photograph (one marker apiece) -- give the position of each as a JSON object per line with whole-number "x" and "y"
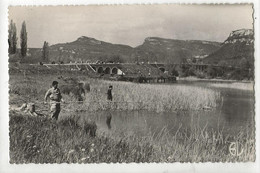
{"x": 154, "y": 83}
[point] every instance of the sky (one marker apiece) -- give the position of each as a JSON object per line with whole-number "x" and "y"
{"x": 130, "y": 24}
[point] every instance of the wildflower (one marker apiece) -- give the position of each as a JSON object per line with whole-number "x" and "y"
{"x": 29, "y": 136}
{"x": 84, "y": 158}
{"x": 83, "y": 149}
{"x": 34, "y": 146}
{"x": 91, "y": 150}
{"x": 92, "y": 145}
{"x": 71, "y": 151}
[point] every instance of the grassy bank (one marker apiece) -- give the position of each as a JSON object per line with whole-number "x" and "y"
{"x": 249, "y": 86}
{"x": 194, "y": 78}
{"x": 126, "y": 95}
{"x": 39, "y": 140}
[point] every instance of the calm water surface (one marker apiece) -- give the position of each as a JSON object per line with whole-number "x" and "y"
{"x": 236, "y": 113}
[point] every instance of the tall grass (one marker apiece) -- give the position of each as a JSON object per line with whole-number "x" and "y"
{"x": 65, "y": 142}
{"x": 155, "y": 97}
{"x": 126, "y": 95}
{"x": 39, "y": 140}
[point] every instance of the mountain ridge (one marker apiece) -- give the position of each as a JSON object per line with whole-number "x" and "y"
{"x": 153, "y": 49}
{"x": 174, "y": 50}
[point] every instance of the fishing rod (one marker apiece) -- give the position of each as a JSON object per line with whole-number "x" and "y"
{"x": 47, "y": 104}
{"x": 68, "y": 102}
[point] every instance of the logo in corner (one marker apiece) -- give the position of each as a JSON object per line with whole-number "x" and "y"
{"x": 235, "y": 149}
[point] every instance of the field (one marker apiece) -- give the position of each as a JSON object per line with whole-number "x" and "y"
{"x": 40, "y": 140}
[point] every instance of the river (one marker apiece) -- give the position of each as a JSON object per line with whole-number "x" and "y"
{"x": 234, "y": 113}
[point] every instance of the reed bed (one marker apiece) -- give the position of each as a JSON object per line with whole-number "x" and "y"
{"x": 126, "y": 95}
{"x": 152, "y": 97}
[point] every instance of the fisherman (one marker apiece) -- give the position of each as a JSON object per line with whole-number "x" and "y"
{"x": 55, "y": 98}
{"x": 110, "y": 98}
{"x": 109, "y": 93}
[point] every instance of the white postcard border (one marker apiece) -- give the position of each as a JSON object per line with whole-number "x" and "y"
{"x": 133, "y": 167}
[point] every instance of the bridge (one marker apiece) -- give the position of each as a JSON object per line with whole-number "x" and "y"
{"x": 110, "y": 68}
{"x": 136, "y": 72}
{"x": 141, "y": 69}
{"x": 107, "y": 68}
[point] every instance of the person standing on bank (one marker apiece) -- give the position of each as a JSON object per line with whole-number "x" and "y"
{"x": 109, "y": 93}
{"x": 55, "y": 98}
{"x": 80, "y": 93}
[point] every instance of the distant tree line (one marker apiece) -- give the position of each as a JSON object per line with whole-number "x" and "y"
{"x": 240, "y": 70}
{"x": 111, "y": 58}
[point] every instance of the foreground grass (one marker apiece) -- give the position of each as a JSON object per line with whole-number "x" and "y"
{"x": 39, "y": 140}
{"x": 126, "y": 95}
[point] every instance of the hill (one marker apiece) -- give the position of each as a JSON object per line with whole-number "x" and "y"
{"x": 174, "y": 51}
{"x": 239, "y": 46}
{"x": 153, "y": 49}
{"x": 90, "y": 49}
{"x": 83, "y": 49}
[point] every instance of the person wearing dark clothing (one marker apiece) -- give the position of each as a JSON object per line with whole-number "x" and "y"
{"x": 80, "y": 92}
{"x": 110, "y": 98}
{"x": 109, "y": 93}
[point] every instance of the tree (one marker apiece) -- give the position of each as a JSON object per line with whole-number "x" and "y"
{"x": 23, "y": 40}
{"x": 45, "y": 51}
{"x": 12, "y": 39}
{"x": 174, "y": 72}
{"x": 211, "y": 72}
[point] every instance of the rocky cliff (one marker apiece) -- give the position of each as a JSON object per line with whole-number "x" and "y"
{"x": 239, "y": 45}
{"x": 242, "y": 36}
